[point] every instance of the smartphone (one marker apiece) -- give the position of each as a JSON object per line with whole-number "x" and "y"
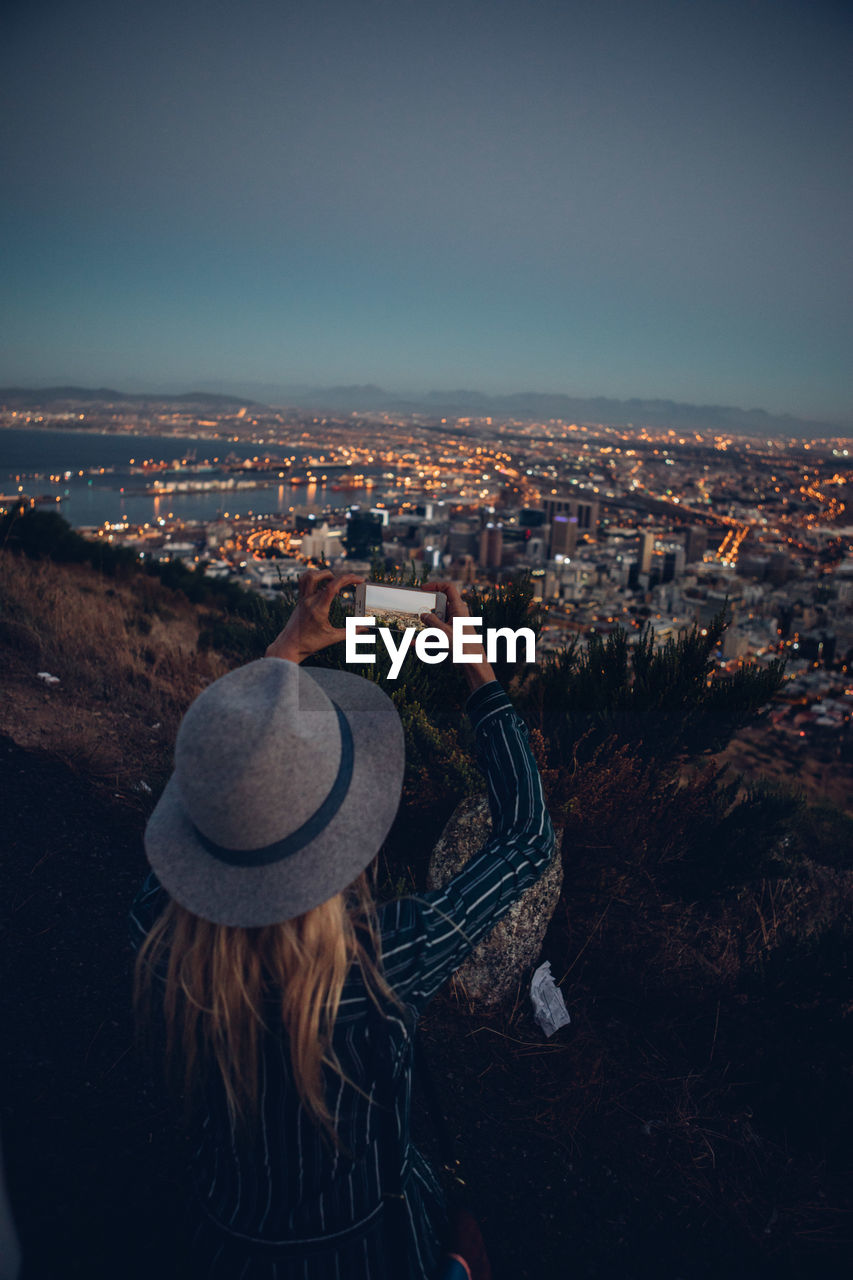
{"x": 397, "y": 604}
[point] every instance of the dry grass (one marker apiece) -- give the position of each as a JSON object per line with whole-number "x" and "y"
{"x": 125, "y": 654}
{"x": 760, "y": 752}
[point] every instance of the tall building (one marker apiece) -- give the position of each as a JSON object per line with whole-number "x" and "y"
{"x": 534, "y": 550}
{"x": 568, "y": 517}
{"x": 667, "y": 564}
{"x": 673, "y": 563}
{"x": 322, "y": 543}
{"x": 647, "y": 548}
{"x": 491, "y": 546}
{"x": 363, "y": 535}
{"x": 752, "y": 566}
{"x": 531, "y": 518}
{"x": 462, "y": 540}
{"x": 696, "y": 543}
{"x": 563, "y": 535}
{"x": 778, "y": 567}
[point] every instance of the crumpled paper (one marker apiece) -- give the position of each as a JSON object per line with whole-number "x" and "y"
{"x": 549, "y": 1007}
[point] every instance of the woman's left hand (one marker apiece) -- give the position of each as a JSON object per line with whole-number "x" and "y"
{"x": 308, "y": 628}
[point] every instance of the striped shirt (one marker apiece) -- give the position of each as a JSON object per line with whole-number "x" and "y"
{"x": 289, "y": 1206}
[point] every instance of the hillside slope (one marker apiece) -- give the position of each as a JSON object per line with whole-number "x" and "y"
{"x": 693, "y": 1121}
{"x": 125, "y": 658}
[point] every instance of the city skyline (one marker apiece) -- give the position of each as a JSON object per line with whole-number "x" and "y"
{"x": 624, "y": 201}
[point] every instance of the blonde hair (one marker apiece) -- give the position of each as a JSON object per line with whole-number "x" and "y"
{"x": 216, "y": 980}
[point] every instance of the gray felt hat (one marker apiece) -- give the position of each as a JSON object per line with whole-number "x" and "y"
{"x": 286, "y": 782}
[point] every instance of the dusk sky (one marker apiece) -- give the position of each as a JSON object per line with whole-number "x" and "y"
{"x": 646, "y": 198}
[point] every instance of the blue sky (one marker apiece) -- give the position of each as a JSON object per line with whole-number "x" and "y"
{"x": 646, "y": 199}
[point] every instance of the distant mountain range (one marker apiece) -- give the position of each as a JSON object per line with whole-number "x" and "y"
{"x": 539, "y": 406}
{"x": 52, "y": 397}
{"x": 525, "y": 406}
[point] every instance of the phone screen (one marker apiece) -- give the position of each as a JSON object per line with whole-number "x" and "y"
{"x": 393, "y": 600}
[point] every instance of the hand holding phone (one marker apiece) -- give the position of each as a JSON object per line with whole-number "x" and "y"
{"x": 476, "y": 673}
{"x": 308, "y": 629}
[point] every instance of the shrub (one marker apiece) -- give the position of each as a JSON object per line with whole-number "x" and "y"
{"x": 664, "y": 700}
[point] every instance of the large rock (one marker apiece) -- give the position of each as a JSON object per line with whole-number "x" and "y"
{"x": 491, "y": 974}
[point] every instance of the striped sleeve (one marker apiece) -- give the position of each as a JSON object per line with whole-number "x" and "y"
{"x": 426, "y": 938}
{"x": 150, "y": 900}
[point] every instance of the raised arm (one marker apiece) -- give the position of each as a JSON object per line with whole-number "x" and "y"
{"x": 424, "y": 939}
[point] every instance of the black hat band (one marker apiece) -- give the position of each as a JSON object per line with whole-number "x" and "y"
{"x": 309, "y": 830}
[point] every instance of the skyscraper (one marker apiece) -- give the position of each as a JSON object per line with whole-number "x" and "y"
{"x": 567, "y": 518}
{"x": 647, "y": 547}
{"x": 696, "y": 543}
{"x": 491, "y": 546}
{"x": 363, "y": 535}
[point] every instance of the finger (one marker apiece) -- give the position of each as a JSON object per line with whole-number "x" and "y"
{"x": 456, "y": 606}
{"x": 360, "y": 628}
{"x": 433, "y": 620}
{"x": 446, "y": 588}
{"x": 334, "y": 634}
{"x": 328, "y": 592}
{"x": 441, "y": 588}
{"x": 339, "y": 584}
{"x": 310, "y": 579}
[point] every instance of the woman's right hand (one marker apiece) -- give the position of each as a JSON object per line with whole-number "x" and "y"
{"x": 308, "y": 629}
{"x": 478, "y": 672}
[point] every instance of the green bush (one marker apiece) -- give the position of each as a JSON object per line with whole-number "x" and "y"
{"x": 44, "y": 534}
{"x": 663, "y": 700}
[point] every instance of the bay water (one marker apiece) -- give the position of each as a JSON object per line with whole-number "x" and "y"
{"x": 28, "y": 457}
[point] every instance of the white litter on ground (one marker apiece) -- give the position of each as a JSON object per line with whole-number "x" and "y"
{"x": 549, "y": 1007}
{"x": 47, "y": 677}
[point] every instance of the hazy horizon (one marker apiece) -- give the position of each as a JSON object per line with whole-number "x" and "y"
{"x": 470, "y": 401}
